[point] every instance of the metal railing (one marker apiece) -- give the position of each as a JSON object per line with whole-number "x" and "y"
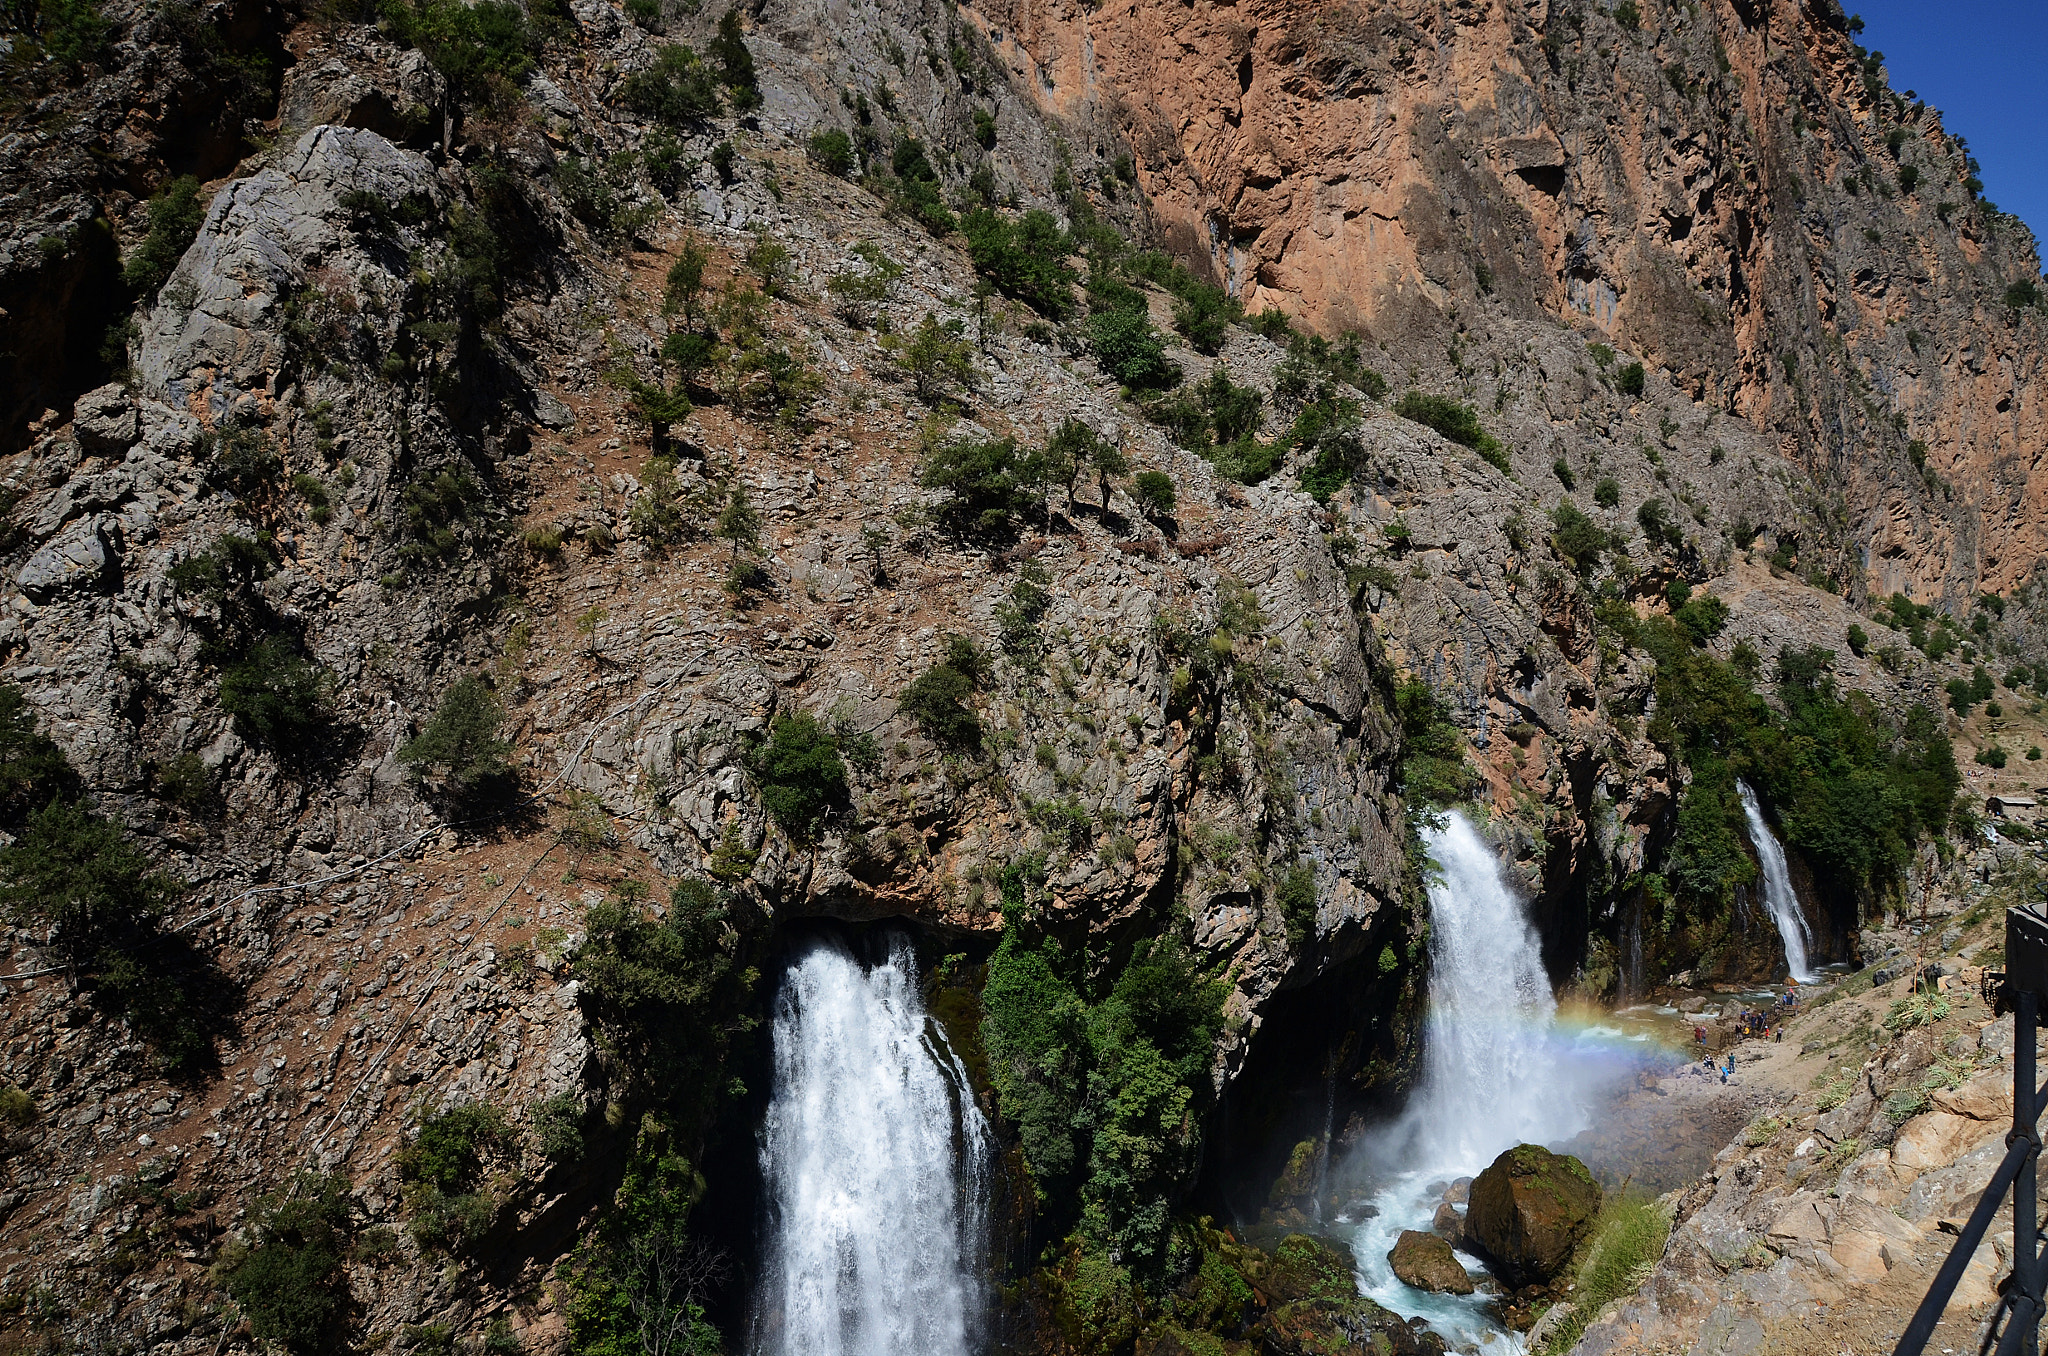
{"x": 2015, "y": 1325}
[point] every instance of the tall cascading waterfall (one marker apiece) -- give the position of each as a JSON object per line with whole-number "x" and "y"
{"x": 1492, "y": 1074}
{"x": 877, "y": 1167}
{"x": 1497, "y": 1071}
{"x": 1778, "y": 894}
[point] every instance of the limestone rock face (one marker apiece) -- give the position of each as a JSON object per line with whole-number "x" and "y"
{"x": 1529, "y": 1210}
{"x": 1426, "y": 1262}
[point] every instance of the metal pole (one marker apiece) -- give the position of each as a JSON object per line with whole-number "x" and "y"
{"x": 2025, "y": 1262}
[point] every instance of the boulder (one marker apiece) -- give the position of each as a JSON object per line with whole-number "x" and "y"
{"x": 104, "y": 420}
{"x": 1448, "y": 1224}
{"x": 82, "y": 559}
{"x": 1529, "y": 1210}
{"x": 1427, "y": 1263}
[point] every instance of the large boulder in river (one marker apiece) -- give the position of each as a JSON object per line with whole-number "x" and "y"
{"x": 1427, "y": 1263}
{"x": 1529, "y": 1210}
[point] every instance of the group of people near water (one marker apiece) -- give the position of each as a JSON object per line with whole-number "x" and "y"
{"x": 1753, "y": 1025}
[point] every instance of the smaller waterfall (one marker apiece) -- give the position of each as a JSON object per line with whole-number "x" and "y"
{"x": 1778, "y": 895}
{"x": 877, "y": 1163}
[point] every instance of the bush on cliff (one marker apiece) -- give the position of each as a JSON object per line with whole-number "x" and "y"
{"x": 289, "y": 1280}
{"x": 1105, "y": 1078}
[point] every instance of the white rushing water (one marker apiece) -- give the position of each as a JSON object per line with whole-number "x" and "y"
{"x": 876, "y": 1161}
{"x": 1497, "y": 1072}
{"x": 1778, "y": 895}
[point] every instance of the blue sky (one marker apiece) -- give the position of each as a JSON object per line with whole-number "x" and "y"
{"x": 1979, "y": 62}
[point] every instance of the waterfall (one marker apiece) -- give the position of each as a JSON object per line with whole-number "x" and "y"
{"x": 876, "y": 1162}
{"x": 1492, "y": 1076}
{"x": 1498, "y": 1070}
{"x": 1778, "y": 895}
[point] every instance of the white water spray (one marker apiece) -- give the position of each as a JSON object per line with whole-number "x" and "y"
{"x": 1497, "y": 1072}
{"x": 1491, "y": 1074}
{"x": 1778, "y": 895}
{"x": 876, "y": 1160}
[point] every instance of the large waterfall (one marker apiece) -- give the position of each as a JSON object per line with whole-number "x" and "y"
{"x": 1497, "y": 1071}
{"x": 1493, "y": 1072}
{"x": 877, "y": 1164}
{"x": 1778, "y": 895}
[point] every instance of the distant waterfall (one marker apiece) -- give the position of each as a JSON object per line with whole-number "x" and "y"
{"x": 1493, "y": 1071}
{"x": 876, "y": 1161}
{"x": 1778, "y": 895}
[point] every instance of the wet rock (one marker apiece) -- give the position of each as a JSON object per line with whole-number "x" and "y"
{"x": 1448, "y": 1224}
{"x": 1426, "y": 1262}
{"x": 1529, "y": 1210}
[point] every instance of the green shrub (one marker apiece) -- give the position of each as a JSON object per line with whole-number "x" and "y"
{"x": 678, "y": 90}
{"x": 986, "y": 480}
{"x": 1154, "y": 493}
{"x": 2025, "y": 292}
{"x": 475, "y": 46}
{"x": 1433, "y": 766}
{"x": 449, "y": 1151}
{"x": 1105, "y": 1078}
{"x": 801, "y": 773}
{"x": 71, "y": 33}
{"x": 736, "y": 63}
{"x": 1025, "y": 259}
{"x": 175, "y": 215}
{"x": 1203, "y": 314}
{"x": 1859, "y": 640}
{"x": 831, "y": 150}
{"x": 1607, "y": 492}
{"x": 936, "y": 702}
{"x": 1563, "y": 471}
{"x": 1297, "y": 900}
{"x": 1992, "y": 756}
{"x": 1575, "y": 537}
{"x": 290, "y": 1283}
{"x": 985, "y": 129}
{"x": 1628, "y": 15}
{"x": 460, "y": 747}
{"x": 1459, "y": 423}
{"x": 72, "y": 870}
{"x": 17, "y": 1108}
{"x": 1909, "y": 178}
{"x": 1629, "y": 380}
{"x": 669, "y": 994}
{"x": 34, "y": 771}
{"x": 1129, "y": 349}
{"x": 279, "y": 698}
{"x": 937, "y": 357}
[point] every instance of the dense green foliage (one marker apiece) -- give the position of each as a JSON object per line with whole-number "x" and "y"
{"x": 280, "y": 699}
{"x": 1105, "y": 1075}
{"x": 678, "y": 89}
{"x": 175, "y": 215}
{"x": 1852, "y": 788}
{"x": 1025, "y": 258}
{"x": 477, "y": 47}
{"x": 801, "y": 773}
{"x": 289, "y": 1281}
{"x": 987, "y": 481}
{"x": 76, "y": 873}
{"x": 1219, "y": 419}
{"x": 1576, "y": 538}
{"x": 1459, "y": 423}
{"x": 917, "y": 190}
{"x": 1120, "y": 331}
{"x": 831, "y": 150}
{"x": 1203, "y": 314}
{"x": 669, "y": 991}
{"x": 736, "y": 63}
{"x": 443, "y": 1169}
{"x": 460, "y": 745}
{"x": 1433, "y": 767}
{"x": 937, "y": 703}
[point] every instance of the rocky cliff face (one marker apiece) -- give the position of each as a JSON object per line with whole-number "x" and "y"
{"x": 1730, "y": 190}
{"x": 378, "y": 415}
